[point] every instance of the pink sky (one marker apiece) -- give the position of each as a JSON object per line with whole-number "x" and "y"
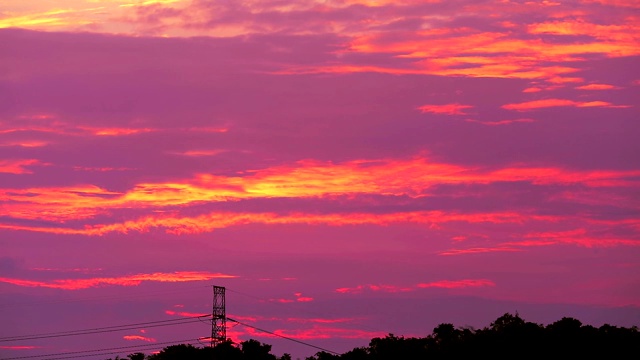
{"x": 346, "y": 168}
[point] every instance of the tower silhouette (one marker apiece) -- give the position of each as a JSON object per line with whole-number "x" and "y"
{"x": 218, "y": 317}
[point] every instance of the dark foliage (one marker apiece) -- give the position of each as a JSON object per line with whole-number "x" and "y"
{"x": 508, "y": 337}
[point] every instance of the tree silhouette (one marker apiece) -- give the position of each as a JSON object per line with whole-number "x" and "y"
{"x": 136, "y": 356}
{"x": 255, "y": 350}
{"x": 508, "y": 337}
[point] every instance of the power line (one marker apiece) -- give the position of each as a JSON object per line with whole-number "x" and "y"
{"x": 284, "y": 337}
{"x": 298, "y": 310}
{"x": 169, "y": 322}
{"x": 132, "y": 347}
{"x": 149, "y": 324}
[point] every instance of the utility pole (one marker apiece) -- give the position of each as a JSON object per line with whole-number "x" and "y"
{"x": 218, "y": 317}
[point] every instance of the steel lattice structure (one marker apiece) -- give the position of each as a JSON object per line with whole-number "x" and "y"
{"x": 219, "y": 317}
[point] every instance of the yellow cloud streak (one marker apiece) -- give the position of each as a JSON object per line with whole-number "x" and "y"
{"x": 305, "y": 179}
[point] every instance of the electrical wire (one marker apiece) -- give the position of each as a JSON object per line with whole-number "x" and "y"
{"x": 169, "y": 322}
{"x": 132, "y": 347}
{"x": 149, "y": 324}
{"x": 285, "y": 337}
{"x": 298, "y": 310}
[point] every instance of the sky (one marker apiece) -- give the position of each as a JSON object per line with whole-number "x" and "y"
{"x": 345, "y": 168}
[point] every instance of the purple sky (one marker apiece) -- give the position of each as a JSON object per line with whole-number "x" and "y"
{"x": 346, "y": 168}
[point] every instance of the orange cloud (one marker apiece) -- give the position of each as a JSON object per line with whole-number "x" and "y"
{"x": 130, "y": 280}
{"x": 24, "y": 347}
{"x": 212, "y": 221}
{"x": 138, "y": 337}
{"x": 447, "y": 109}
{"x": 116, "y": 131}
{"x": 466, "y": 52}
{"x": 53, "y": 18}
{"x": 304, "y": 179}
{"x": 619, "y": 32}
{"x": 596, "y": 87}
{"x": 538, "y": 104}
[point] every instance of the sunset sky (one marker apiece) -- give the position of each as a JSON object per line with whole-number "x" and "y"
{"x": 346, "y": 168}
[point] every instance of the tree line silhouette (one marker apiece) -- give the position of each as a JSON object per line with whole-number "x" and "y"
{"x": 508, "y": 337}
